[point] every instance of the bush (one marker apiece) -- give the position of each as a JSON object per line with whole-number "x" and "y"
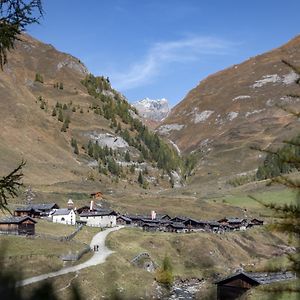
{"x": 164, "y": 275}
{"x": 39, "y": 78}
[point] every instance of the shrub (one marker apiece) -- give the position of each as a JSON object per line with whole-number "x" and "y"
{"x": 39, "y": 78}
{"x": 164, "y": 275}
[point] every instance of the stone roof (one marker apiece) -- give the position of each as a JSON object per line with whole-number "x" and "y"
{"x": 261, "y": 277}
{"x": 25, "y": 208}
{"x": 124, "y": 218}
{"x": 37, "y": 207}
{"x": 15, "y": 220}
{"x": 43, "y": 206}
{"x": 180, "y": 218}
{"x": 62, "y": 212}
{"x": 98, "y": 212}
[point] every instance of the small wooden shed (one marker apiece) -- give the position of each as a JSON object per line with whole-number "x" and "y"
{"x": 17, "y": 225}
{"x": 123, "y": 220}
{"x": 234, "y": 286}
{"x": 150, "y": 227}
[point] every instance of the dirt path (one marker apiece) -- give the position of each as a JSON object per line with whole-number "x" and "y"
{"x": 99, "y": 257}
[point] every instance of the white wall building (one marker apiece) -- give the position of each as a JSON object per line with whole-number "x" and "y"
{"x": 99, "y": 218}
{"x": 64, "y": 216}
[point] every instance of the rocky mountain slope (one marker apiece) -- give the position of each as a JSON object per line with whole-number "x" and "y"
{"x": 71, "y": 126}
{"x": 153, "y": 110}
{"x": 232, "y": 110}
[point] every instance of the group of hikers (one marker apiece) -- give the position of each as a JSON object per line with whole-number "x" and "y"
{"x": 96, "y": 247}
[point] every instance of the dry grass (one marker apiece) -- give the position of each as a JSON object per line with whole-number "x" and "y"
{"x": 35, "y": 256}
{"x": 192, "y": 255}
{"x": 46, "y": 227}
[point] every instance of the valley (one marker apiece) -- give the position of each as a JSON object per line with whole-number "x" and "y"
{"x": 79, "y": 137}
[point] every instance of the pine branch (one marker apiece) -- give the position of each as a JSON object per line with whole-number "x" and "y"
{"x": 10, "y": 184}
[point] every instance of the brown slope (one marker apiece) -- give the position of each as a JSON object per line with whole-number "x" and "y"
{"x": 27, "y": 131}
{"x": 30, "y": 133}
{"x": 234, "y": 108}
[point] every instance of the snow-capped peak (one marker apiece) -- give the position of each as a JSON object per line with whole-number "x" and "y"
{"x": 153, "y": 109}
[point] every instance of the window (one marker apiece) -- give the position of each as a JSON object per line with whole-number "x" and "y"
{"x": 62, "y": 219}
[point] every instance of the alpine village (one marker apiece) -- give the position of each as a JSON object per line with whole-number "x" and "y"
{"x": 103, "y": 197}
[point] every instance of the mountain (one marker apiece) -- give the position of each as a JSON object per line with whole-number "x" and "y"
{"x": 70, "y": 126}
{"x": 153, "y": 111}
{"x": 230, "y": 111}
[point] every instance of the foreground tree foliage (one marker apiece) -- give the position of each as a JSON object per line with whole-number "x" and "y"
{"x": 15, "y": 15}
{"x": 278, "y": 162}
{"x": 10, "y": 184}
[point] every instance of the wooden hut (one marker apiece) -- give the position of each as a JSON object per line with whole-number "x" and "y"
{"x": 122, "y": 220}
{"x": 27, "y": 211}
{"x": 17, "y": 225}
{"x": 255, "y": 222}
{"x": 150, "y": 227}
{"x": 175, "y": 227}
{"x": 237, "y": 284}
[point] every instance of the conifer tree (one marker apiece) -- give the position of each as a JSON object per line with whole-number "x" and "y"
{"x": 127, "y": 156}
{"x": 140, "y": 178}
{"x": 64, "y": 127}
{"x": 67, "y": 121}
{"x": 60, "y": 116}
{"x": 90, "y": 149}
{"x": 54, "y": 112}
{"x": 76, "y": 151}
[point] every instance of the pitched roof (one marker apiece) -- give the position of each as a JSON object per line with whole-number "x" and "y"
{"x": 180, "y": 218}
{"x": 25, "y": 208}
{"x": 98, "y": 212}
{"x": 260, "y": 277}
{"x": 124, "y": 218}
{"x": 15, "y": 220}
{"x": 162, "y": 216}
{"x": 62, "y": 212}
{"x": 44, "y": 206}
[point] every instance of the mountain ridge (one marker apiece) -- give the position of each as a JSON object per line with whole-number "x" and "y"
{"x": 231, "y": 110}
{"x": 153, "y": 111}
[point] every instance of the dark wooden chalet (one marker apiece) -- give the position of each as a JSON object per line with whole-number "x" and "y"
{"x": 137, "y": 219}
{"x": 255, "y": 222}
{"x": 215, "y": 226}
{"x": 192, "y": 224}
{"x": 162, "y": 217}
{"x": 175, "y": 227}
{"x": 237, "y": 284}
{"x": 82, "y": 209}
{"x": 233, "y": 223}
{"x": 17, "y": 225}
{"x": 123, "y": 220}
{"x": 150, "y": 227}
{"x": 27, "y": 211}
{"x": 35, "y": 210}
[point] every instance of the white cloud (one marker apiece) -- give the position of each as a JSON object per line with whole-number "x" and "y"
{"x": 164, "y": 53}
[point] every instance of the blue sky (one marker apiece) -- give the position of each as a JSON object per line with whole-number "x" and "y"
{"x": 164, "y": 48}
